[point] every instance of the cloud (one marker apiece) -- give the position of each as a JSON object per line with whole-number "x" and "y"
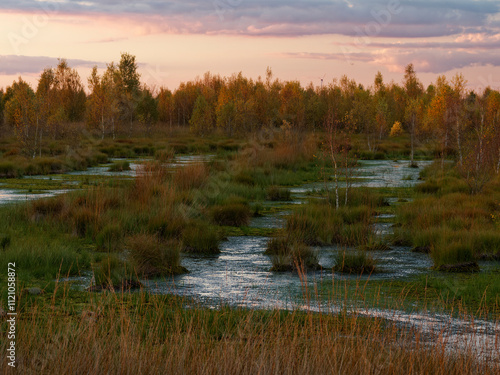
{"x": 16, "y": 64}
{"x": 423, "y": 18}
{"x": 440, "y": 62}
{"x": 464, "y": 41}
{"x": 425, "y": 61}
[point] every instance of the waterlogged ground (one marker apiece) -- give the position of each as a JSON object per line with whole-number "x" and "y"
{"x": 240, "y": 276}
{"x": 37, "y": 187}
{"x": 375, "y": 173}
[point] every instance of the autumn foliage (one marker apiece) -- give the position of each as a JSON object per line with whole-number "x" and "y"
{"x": 463, "y": 123}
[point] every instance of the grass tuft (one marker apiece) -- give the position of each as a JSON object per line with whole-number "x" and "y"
{"x": 358, "y": 262}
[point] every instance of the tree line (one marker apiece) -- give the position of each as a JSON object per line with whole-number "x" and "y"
{"x": 461, "y": 121}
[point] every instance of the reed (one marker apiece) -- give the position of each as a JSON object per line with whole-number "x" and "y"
{"x": 117, "y": 333}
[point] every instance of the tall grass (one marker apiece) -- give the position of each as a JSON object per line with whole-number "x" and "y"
{"x": 145, "y": 334}
{"x": 191, "y": 176}
{"x": 200, "y": 238}
{"x": 456, "y": 227}
{"x": 38, "y": 257}
{"x": 317, "y": 223}
{"x": 287, "y": 255}
{"x": 358, "y": 262}
{"x": 231, "y": 214}
{"x": 152, "y": 257}
{"x": 275, "y": 193}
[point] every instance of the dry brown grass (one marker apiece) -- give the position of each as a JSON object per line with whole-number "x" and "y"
{"x": 191, "y": 176}
{"x": 286, "y": 153}
{"x": 156, "y": 335}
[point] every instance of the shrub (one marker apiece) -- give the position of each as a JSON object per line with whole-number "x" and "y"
{"x": 48, "y": 165}
{"x": 10, "y": 169}
{"x": 428, "y": 187}
{"x": 277, "y": 246}
{"x": 245, "y": 178}
{"x": 452, "y": 253}
{"x": 353, "y": 234}
{"x": 49, "y": 206}
{"x": 363, "y": 197}
{"x": 84, "y": 221}
{"x": 167, "y": 225}
{"x": 396, "y": 130}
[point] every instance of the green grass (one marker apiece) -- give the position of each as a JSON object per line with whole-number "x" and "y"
{"x": 356, "y": 262}
{"x": 41, "y": 256}
{"x": 152, "y": 257}
{"x": 318, "y": 223}
{"x": 231, "y": 214}
{"x": 291, "y": 256}
{"x": 111, "y": 272}
{"x": 200, "y": 238}
{"x": 455, "y": 226}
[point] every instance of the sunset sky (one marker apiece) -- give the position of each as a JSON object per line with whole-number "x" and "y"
{"x": 176, "y": 41}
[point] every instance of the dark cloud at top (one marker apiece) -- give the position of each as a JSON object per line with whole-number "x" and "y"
{"x": 423, "y": 18}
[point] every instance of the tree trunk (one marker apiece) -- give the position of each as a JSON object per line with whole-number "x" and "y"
{"x": 459, "y": 144}
{"x": 412, "y": 140}
{"x": 40, "y": 143}
{"x": 102, "y": 125}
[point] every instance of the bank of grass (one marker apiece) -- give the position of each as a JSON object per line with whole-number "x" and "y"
{"x": 176, "y": 208}
{"x": 319, "y": 222}
{"x": 83, "y": 150}
{"x": 114, "y": 333}
{"x": 454, "y": 226}
{"x": 357, "y": 262}
{"x": 470, "y": 296}
{"x": 290, "y": 255}
{"x": 200, "y": 238}
{"x": 19, "y": 166}
{"x": 235, "y": 214}
{"x": 151, "y": 257}
{"x": 275, "y": 193}
{"x": 389, "y": 148}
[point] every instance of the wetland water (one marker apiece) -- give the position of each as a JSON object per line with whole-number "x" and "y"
{"x": 240, "y": 276}
{"x": 73, "y": 179}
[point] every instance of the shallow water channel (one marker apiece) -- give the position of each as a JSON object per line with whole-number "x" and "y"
{"x": 240, "y": 276}
{"x": 71, "y": 180}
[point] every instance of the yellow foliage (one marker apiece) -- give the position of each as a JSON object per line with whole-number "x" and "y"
{"x": 396, "y": 130}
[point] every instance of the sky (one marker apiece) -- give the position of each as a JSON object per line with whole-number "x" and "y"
{"x": 175, "y": 41}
